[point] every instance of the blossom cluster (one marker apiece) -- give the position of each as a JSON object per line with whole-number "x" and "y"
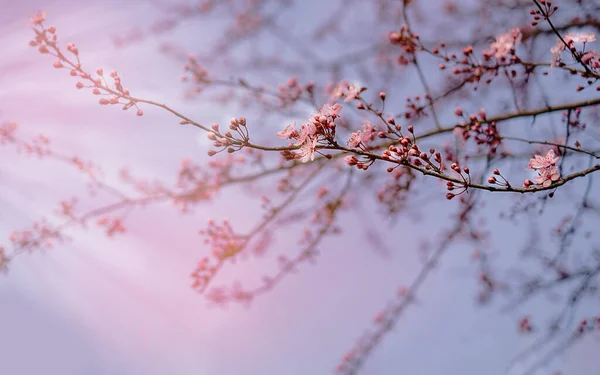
{"x": 545, "y": 167}
{"x": 46, "y": 42}
{"x": 571, "y": 39}
{"x": 362, "y": 137}
{"x": 505, "y": 44}
{"x": 321, "y": 126}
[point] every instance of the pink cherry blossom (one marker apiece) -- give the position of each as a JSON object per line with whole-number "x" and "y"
{"x": 592, "y": 58}
{"x": 289, "y": 132}
{"x": 307, "y": 150}
{"x": 580, "y": 37}
{"x": 346, "y": 90}
{"x": 546, "y": 168}
{"x": 505, "y": 43}
{"x": 556, "y": 52}
{"x": 332, "y": 111}
{"x": 351, "y": 94}
{"x": 547, "y": 176}
{"x": 308, "y": 130}
{"x": 38, "y": 18}
{"x": 557, "y": 49}
{"x": 368, "y": 133}
{"x": 542, "y": 162}
{"x": 355, "y": 139}
{"x": 337, "y": 91}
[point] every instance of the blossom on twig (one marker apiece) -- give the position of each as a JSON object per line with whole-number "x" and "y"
{"x": 546, "y": 168}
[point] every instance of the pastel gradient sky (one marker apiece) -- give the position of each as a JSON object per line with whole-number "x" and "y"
{"x": 124, "y": 306}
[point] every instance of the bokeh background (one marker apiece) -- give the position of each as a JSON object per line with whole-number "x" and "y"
{"x": 124, "y": 305}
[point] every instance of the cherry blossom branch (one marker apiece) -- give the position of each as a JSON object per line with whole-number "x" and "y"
{"x": 573, "y": 226}
{"x": 584, "y": 327}
{"x": 309, "y": 250}
{"x": 513, "y": 115}
{"x": 221, "y": 295}
{"x": 40, "y": 147}
{"x": 546, "y": 12}
{"x": 420, "y": 71}
{"x": 205, "y": 273}
{"x": 461, "y": 182}
{"x": 528, "y": 33}
{"x": 536, "y": 286}
{"x": 500, "y": 118}
{"x": 55, "y": 233}
{"x": 355, "y": 358}
{"x": 245, "y": 142}
{"x": 574, "y": 149}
